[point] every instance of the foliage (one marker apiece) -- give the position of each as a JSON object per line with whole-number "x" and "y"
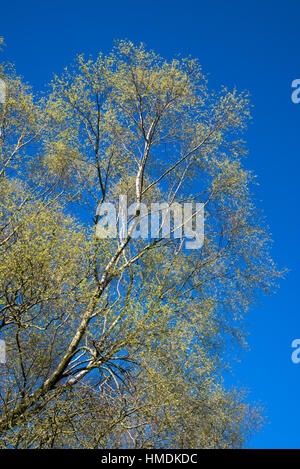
{"x": 122, "y": 343}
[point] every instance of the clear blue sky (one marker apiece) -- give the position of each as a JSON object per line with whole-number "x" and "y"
{"x": 253, "y": 45}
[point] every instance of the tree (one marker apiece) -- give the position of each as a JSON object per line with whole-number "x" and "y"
{"x": 122, "y": 342}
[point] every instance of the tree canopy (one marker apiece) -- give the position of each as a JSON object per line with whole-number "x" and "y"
{"x": 121, "y": 342}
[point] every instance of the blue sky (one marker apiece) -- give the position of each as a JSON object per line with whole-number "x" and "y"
{"x": 251, "y": 45}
